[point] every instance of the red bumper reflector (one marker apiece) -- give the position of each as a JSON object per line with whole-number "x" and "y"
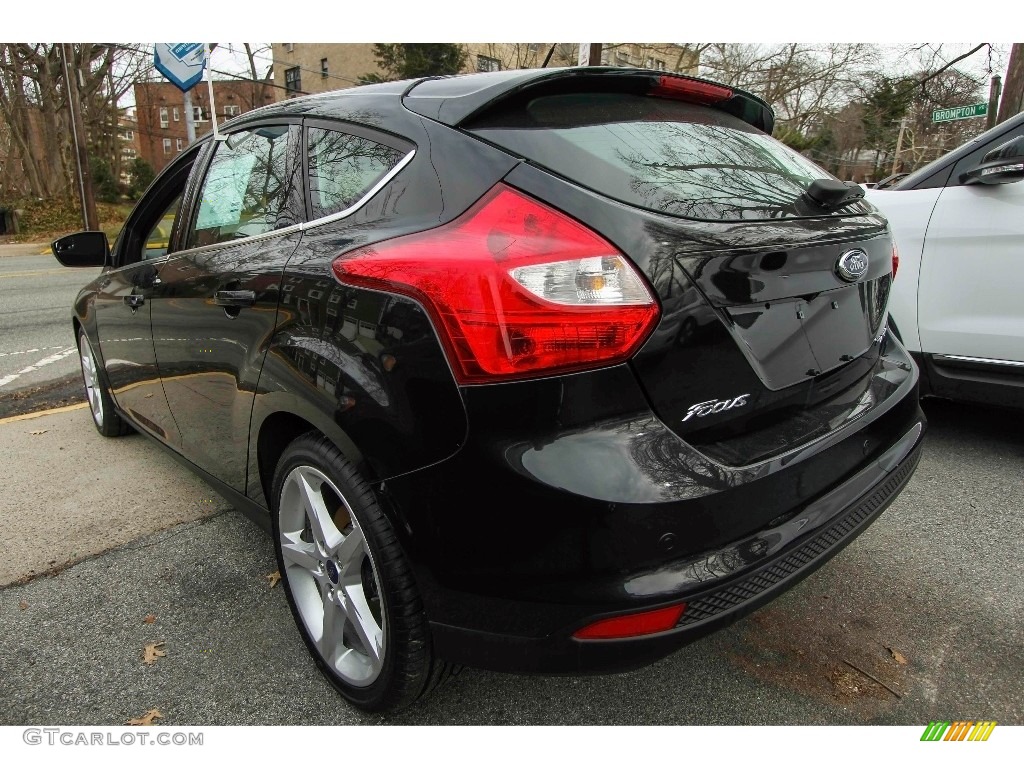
{"x": 633, "y": 625}
{"x": 895, "y": 260}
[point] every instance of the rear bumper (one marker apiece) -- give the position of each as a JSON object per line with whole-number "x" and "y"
{"x": 571, "y": 503}
{"x": 825, "y": 527}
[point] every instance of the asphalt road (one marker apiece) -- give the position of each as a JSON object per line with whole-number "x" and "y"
{"x": 36, "y": 293}
{"x": 929, "y": 602}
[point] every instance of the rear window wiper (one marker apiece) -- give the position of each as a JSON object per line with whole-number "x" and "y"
{"x": 832, "y": 194}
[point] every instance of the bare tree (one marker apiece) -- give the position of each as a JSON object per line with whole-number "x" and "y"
{"x": 800, "y": 81}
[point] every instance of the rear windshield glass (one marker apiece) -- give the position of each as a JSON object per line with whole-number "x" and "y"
{"x": 663, "y": 155}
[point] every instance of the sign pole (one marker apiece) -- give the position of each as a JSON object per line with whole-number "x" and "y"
{"x": 190, "y": 120}
{"x": 209, "y": 83}
{"x": 899, "y": 144}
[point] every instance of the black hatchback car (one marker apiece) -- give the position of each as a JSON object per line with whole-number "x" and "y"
{"x": 544, "y": 371}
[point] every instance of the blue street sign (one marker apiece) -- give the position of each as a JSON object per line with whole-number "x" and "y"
{"x": 181, "y": 63}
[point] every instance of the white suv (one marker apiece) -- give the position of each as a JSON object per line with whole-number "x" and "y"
{"x": 958, "y": 302}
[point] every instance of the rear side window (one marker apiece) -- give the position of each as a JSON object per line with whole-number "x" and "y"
{"x": 663, "y": 155}
{"x": 343, "y": 168}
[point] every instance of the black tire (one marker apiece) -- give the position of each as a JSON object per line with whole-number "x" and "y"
{"x": 101, "y": 405}
{"x": 408, "y": 668}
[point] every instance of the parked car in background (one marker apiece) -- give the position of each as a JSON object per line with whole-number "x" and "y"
{"x": 958, "y": 304}
{"x": 533, "y": 370}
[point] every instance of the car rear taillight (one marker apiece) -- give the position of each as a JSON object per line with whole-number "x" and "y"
{"x": 895, "y": 260}
{"x": 633, "y": 624}
{"x": 694, "y": 91}
{"x": 515, "y": 288}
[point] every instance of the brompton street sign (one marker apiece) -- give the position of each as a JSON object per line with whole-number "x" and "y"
{"x": 181, "y": 63}
{"x": 959, "y": 113}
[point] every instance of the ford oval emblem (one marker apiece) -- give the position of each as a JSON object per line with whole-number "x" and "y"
{"x": 852, "y": 265}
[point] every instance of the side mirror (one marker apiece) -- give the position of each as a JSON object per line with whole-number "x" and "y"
{"x": 82, "y": 249}
{"x": 1003, "y": 165}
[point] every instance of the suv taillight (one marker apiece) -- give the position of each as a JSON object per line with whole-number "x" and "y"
{"x": 515, "y": 288}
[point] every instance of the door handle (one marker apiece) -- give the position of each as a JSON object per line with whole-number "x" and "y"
{"x": 134, "y": 300}
{"x": 234, "y": 298}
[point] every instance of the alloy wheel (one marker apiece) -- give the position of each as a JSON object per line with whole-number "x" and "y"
{"x": 92, "y": 382}
{"x": 332, "y": 576}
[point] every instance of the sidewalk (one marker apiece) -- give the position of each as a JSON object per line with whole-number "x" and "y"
{"x": 69, "y": 493}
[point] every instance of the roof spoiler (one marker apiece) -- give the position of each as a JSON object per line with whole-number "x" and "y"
{"x": 457, "y": 100}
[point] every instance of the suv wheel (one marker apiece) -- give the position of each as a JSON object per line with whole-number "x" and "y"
{"x": 349, "y": 585}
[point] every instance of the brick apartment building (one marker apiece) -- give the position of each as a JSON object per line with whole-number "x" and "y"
{"x": 301, "y": 68}
{"x": 160, "y": 113}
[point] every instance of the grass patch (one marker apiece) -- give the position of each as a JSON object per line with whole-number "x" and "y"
{"x": 46, "y": 220}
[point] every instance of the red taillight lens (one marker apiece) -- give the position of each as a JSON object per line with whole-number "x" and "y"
{"x": 515, "y": 288}
{"x": 633, "y": 625}
{"x": 695, "y": 91}
{"x": 895, "y": 260}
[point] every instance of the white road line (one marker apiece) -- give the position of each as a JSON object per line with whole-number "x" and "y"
{"x": 37, "y": 365}
{"x": 37, "y": 349}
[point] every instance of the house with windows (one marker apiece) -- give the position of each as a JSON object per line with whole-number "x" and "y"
{"x": 303, "y": 68}
{"x": 160, "y": 113}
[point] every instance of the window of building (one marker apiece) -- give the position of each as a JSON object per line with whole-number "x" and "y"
{"x": 659, "y": 63}
{"x": 323, "y": 68}
{"x": 167, "y": 146}
{"x": 343, "y": 168}
{"x": 290, "y": 47}
{"x": 292, "y": 80}
{"x": 246, "y": 189}
{"x": 232, "y": 110}
{"x": 127, "y": 134}
{"x": 176, "y": 114}
{"x": 163, "y": 117}
{"x": 487, "y": 64}
{"x": 179, "y": 144}
{"x": 198, "y": 114}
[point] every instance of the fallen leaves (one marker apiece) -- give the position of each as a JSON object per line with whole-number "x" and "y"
{"x": 150, "y": 618}
{"x": 152, "y": 652}
{"x": 900, "y": 658}
{"x": 23, "y": 605}
{"x": 39, "y": 432}
{"x": 146, "y": 719}
{"x": 273, "y": 578}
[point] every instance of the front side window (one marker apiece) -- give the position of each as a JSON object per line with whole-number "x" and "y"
{"x": 158, "y": 238}
{"x": 343, "y": 168}
{"x": 246, "y": 189}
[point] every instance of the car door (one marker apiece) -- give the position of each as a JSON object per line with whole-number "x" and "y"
{"x": 124, "y": 300}
{"x": 215, "y": 307}
{"x": 969, "y": 297}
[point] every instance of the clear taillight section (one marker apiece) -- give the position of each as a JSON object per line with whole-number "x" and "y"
{"x": 516, "y": 289}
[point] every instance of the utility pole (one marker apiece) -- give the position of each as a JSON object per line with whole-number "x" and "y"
{"x": 590, "y": 54}
{"x": 190, "y": 119}
{"x": 994, "y": 89}
{"x": 89, "y": 218}
{"x": 1012, "y": 101}
{"x": 899, "y": 144}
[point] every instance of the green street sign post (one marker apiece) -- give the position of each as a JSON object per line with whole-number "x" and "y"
{"x": 959, "y": 113}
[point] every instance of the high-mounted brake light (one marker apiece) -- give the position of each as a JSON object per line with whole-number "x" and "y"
{"x": 895, "y": 260}
{"x": 516, "y": 289}
{"x": 632, "y": 625}
{"x": 695, "y": 91}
